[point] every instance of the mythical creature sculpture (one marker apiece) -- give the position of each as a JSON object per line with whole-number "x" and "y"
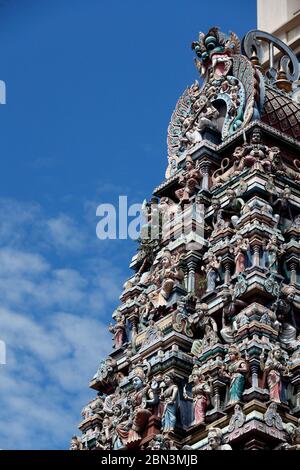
{"x": 232, "y": 210}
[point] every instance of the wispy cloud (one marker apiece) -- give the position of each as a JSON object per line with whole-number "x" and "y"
{"x": 53, "y": 318}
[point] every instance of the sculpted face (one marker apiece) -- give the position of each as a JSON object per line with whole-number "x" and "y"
{"x": 256, "y": 137}
{"x": 137, "y": 383}
{"x": 277, "y": 353}
{"x": 213, "y": 441}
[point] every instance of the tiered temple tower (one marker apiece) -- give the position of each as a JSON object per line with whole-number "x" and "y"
{"x": 206, "y": 338}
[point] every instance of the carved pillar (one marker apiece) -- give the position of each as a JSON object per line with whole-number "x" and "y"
{"x": 293, "y": 271}
{"x": 205, "y": 167}
{"x": 256, "y": 255}
{"x": 134, "y": 322}
{"x": 192, "y": 264}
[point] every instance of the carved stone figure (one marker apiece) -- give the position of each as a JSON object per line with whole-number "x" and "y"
{"x": 201, "y": 392}
{"x": 188, "y": 180}
{"x": 293, "y": 431}
{"x": 231, "y": 307}
{"x": 76, "y": 443}
{"x": 169, "y": 397}
{"x": 233, "y": 208}
{"x": 215, "y": 440}
{"x": 119, "y": 331}
{"x": 240, "y": 254}
{"x": 237, "y": 420}
{"x": 256, "y": 153}
{"x": 166, "y": 276}
{"x": 282, "y": 207}
{"x": 235, "y": 371}
{"x": 275, "y": 368}
{"x": 212, "y": 271}
{"x": 145, "y": 311}
{"x": 274, "y": 251}
{"x": 284, "y": 311}
{"x": 272, "y": 418}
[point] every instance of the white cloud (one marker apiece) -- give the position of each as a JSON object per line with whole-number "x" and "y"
{"x": 53, "y": 319}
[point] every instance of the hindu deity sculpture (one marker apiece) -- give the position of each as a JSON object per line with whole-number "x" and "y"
{"x": 119, "y": 331}
{"x": 76, "y": 443}
{"x": 274, "y": 368}
{"x": 215, "y": 440}
{"x": 282, "y": 207}
{"x": 203, "y": 325}
{"x": 293, "y": 431}
{"x": 166, "y": 276}
{"x": 169, "y": 397}
{"x": 231, "y": 308}
{"x": 256, "y": 153}
{"x": 188, "y": 180}
{"x": 233, "y": 208}
{"x": 218, "y": 221}
{"x": 236, "y": 371}
{"x": 240, "y": 254}
{"x": 145, "y": 311}
{"x": 283, "y": 307}
{"x": 274, "y": 251}
{"x": 212, "y": 271}
{"x": 201, "y": 393}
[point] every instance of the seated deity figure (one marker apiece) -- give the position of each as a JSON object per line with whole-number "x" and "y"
{"x": 233, "y": 208}
{"x": 257, "y": 153}
{"x": 283, "y": 307}
{"x": 188, "y": 180}
{"x": 167, "y": 274}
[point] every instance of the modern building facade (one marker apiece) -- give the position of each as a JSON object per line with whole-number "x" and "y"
{"x": 206, "y": 337}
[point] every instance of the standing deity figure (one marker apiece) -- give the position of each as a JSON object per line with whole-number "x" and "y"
{"x": 256, "y": 153}
{"x": 119, "y": 331}
{"x": 218, "y": 221}
{"x": 212, "y": 271}
{"x": 169, "y": 396}
{"x": 233, "y": 208}
{"x": 215, "y": 440}
{"x": 236, "y": 371}
{"x": 145, "y": 311}
{"x": 240, "y": 254}
{"x": 274, "y": 251}
{"x": 201, "y": 392}
{"x": 76, "y": 443}
{"x": 166, "y": 277}
{"x": 188, "y": 180}
{"x": 275, "y": 368}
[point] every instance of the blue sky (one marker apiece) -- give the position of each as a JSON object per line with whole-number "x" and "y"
{"x": 91, "y": 86}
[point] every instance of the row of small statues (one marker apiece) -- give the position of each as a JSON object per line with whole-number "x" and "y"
{"x": 126, "y": 415}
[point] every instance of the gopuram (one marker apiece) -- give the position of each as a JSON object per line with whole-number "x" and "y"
{"x": 206, "y": 343}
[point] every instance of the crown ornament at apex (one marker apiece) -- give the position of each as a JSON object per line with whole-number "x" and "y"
{"x": 206, "y": 338}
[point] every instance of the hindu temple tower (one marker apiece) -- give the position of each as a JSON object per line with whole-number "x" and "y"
{"x": 206, "y": 337}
